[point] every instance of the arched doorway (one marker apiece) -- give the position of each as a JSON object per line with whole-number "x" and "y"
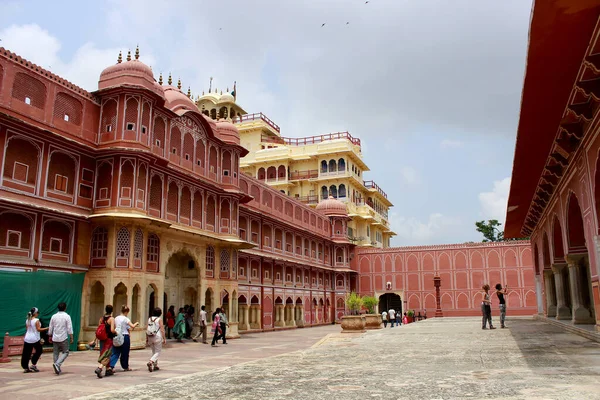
{"x": 388, "y": 301}
{"x": 181, "y": 280}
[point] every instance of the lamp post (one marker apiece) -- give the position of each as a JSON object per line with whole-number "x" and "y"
{"x": 437, "y": 283}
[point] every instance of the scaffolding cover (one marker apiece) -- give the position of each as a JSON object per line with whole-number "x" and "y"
{"x": 20, "y": 291}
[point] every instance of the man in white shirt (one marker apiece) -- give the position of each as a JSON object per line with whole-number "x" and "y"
{"x": 202, "y": 330}
{"x": 60, "y": 332}
{"x": 392, "y": 313}
{"x": 384, "y": 318}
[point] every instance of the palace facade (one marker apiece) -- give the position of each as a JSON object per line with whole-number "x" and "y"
{"x": 555, "y": 189}
{"x": 140, "y": 189}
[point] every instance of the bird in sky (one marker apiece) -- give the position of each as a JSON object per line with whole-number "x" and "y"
{"x": 347, "y": 23}
{"x": 367, "y": 2}
{"x": 322, "y": 25}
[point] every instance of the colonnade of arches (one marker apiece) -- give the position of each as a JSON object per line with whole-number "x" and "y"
{"x": 334, "y": 191}
{"x": 565, "y": 267}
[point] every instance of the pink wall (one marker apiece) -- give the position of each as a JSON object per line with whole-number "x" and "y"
{"x": 463, "y": 268}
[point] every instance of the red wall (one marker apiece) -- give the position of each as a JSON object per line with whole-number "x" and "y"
{"x": 463, "y": 268}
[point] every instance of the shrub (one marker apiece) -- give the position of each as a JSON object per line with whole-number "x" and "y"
{"x": 370, "y": 302}
{"x": 354, "y": 302}
{"x": 411, "y": 313}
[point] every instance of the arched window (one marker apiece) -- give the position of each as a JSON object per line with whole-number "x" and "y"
{"x": 332, "y": 166}
{"x": 155, "y": 205}
{"x": 67, "y": 108}
{"x": 333, "y": 191}
{"x": 342, "y": 191}
{"x": 29, "y": 90}
{"x": 152, "y": 253}
{"x": 261, "y": 174}
{"x": 123, "y": 240}
{"x": 341, "y": 164}
{"x": 323, "y": 166}
{"x": 99, "y": 248}
{"x": 158, "y": 137}
{"x": 21, "y": 164}
{"x": 138, "y": 248}
{"x": 210, "y": 260}
{"x": 324, "y": 192}
{"x": 225, "y": 258}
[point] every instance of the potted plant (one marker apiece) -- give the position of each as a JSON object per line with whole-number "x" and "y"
{"x": 354, "y": 322}
{"x": 372, "y": 320}
{"x": 410, "y": 315}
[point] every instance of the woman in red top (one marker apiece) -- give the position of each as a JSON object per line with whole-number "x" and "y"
{"x": 170, "y": 321}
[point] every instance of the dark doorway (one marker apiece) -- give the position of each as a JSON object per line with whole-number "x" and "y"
{"x": 390, "y": 301}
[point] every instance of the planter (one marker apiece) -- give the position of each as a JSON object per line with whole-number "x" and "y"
{"x": 373, "y": 321}
{"x": 353, "y": 323}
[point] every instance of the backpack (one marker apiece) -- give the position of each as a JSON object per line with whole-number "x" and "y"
{"x": 153, "y": 327}
{"x": 101, "y": 331}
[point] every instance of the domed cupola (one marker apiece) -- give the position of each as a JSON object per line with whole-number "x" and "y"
{"x": 129, "y": 73}
{"x": 332, "y": 208}
{"x": 177, "y": 101}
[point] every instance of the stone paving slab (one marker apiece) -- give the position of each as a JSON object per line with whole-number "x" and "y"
{"x": 176, "y": 360}
{"x": 449, "y": 358}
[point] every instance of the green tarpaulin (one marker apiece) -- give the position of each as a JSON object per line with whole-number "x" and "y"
{"x": 20, "y": 291}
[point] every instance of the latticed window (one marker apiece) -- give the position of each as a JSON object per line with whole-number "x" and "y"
{"x": 29, "y": 90}
{"x": 234, "y": 262}
{"x": 210, "y": 258}
{"x": 153, "y": 248}
{"x": 138, "y": 244}
{"x": 225, "y": 256}
{"x": 156, "y": 192}
{"x": 99, "y": 242}
{"x": 68, "y": 108}
{"x": 123, "y": 237}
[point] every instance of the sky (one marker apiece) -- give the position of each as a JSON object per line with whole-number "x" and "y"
{"x": 431, "y": 87}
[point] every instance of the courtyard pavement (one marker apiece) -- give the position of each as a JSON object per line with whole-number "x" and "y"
{"x": 449, "y": 358}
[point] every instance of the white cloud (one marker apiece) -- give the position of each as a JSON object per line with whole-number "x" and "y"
{"x": 451, "y": 144}
{"x": 493, "y": 204}
{"x": 409, "y": 175}
{"x": 40, "y": 47}
{"x": 438, "y": 228}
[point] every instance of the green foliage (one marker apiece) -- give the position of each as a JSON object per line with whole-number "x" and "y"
{"x": 490, "y": 230}
{"x": 410, "y": 313}
{"x": 370, "y": 302}
{"x": 354, "y": 302}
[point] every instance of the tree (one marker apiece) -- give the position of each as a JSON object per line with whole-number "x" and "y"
{"x": 490, "y": 230}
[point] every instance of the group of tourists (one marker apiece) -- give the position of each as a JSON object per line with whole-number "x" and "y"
{"x": 486, "y": 306}
{"x": 113, "y": 336}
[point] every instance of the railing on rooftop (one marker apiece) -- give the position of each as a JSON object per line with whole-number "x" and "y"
{"x": 373, "y": 185}
{"x": 308, "y": 174}
{"x": 261, "y": 116}
{"x": 311, "y": 199}
{"x": 312, "y": 139}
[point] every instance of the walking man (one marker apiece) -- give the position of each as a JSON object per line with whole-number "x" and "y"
{"x": 202, "y": 330}
{"x": 392, "y": 314}
{"x": 384, "y": 318}
{"x": 224, "y": 325}
{"x": 61, "y": 333}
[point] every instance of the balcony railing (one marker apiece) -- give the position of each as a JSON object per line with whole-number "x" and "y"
{"x": 311, "y": 139}
{"x": 311, "y": 199}
{"x": 373, "y": 185}
{"x": 261, "y": 116}
{"x": 308, "y": 174}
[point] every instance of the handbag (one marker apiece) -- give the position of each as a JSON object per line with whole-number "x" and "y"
{"x": 119, "y": 339}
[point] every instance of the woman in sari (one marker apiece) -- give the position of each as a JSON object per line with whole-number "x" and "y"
{"x": 179, "y": 328}
{"x": 106, "y": 346}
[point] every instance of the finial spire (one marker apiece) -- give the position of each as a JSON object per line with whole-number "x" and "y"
{"x": 210, "y": 85}
{"x": 137, "y": 52}
{"x": 128, "y": 55}
{"x": 160, "y": 81}
{"x": 120, "y": 58}
{"x": 221, "y": 93}
{"x": 179, "y": 84}
{"x": 203, "y": 93}
{"x": 189, "y": 92}
{"x": 227, "y": 89}
{"x": 170, "y": 81}
{"x": 234, "y": 90}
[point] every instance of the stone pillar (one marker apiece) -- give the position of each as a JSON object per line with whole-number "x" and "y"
{"x": 279, "y": 315}
{"x": 580, "y": 312}
{"x": 255, "y": 320}
{"x": 291, "y": 321}
{"x": 300, "y": 316}
{"x": 562, "y": 309}
{"x": 538, "y": 294}
{"x": 550, "y": 294}
{"x": 246, "y": 317}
